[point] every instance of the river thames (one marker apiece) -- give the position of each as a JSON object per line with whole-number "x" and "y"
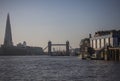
{"x": 57, "y": 68}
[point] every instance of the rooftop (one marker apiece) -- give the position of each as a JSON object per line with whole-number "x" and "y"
{"x": 107, "y": 32}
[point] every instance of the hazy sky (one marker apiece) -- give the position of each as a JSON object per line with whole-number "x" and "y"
{"x": 38, "y": 21}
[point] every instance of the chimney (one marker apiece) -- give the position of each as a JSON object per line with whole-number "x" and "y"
{"x": 90, "y": 36}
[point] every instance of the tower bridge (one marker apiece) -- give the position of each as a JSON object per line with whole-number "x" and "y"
{"x": 49, "y": 46}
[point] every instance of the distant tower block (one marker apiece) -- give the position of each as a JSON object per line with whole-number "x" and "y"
{"x": 8, "y": 35}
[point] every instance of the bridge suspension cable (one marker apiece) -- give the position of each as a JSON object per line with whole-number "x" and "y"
{"x": 45, "y": 48}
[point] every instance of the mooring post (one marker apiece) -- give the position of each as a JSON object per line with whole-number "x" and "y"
{"x": 106, "y": 56}
{"x": 119, "y": 54}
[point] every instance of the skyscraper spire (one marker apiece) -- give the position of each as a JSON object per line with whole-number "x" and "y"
{"x": 8, "y": 35}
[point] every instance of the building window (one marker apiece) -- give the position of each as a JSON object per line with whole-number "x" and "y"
{"x": 102, "y": 43}
{"x": 115, "y": 42}
{"x": 107, "y": 41}
{"x": 91, "y": 43}
{"x": 94, "y": 43}
{"x": 98, "y": 43}
{"x": 111, "y": 41}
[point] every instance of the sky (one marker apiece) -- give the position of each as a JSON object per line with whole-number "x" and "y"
{"x": 38, "y": 21}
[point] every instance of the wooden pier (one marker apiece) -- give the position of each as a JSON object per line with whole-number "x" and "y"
{"x": 112, "y": 54}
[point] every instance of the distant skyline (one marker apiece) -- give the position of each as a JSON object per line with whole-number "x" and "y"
{"x": 38, "y": 21}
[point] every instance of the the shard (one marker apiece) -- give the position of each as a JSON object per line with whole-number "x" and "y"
{"x": 8, "y": 34}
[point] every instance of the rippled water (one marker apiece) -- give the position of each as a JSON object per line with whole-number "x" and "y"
{"x": 57, "y": 68}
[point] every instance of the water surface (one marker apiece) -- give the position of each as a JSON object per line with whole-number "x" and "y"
{"x": 57, "y": 68}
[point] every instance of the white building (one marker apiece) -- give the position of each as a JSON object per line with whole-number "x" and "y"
{"x": 105, "y": 38}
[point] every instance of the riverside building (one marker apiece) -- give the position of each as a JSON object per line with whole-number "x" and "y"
{"x": 102, "y": 39}
{"x": 106, "y": 44}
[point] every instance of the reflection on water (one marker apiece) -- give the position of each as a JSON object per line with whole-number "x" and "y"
{"x": 57, "y": 68}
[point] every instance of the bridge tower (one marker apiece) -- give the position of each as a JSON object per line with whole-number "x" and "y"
{"x": 49, "y": 47}
{"x": 67, "y": 48}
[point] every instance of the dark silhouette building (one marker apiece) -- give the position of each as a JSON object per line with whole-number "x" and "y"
{"x": 21, "y": 49}
{"x": 8, "y": 34}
